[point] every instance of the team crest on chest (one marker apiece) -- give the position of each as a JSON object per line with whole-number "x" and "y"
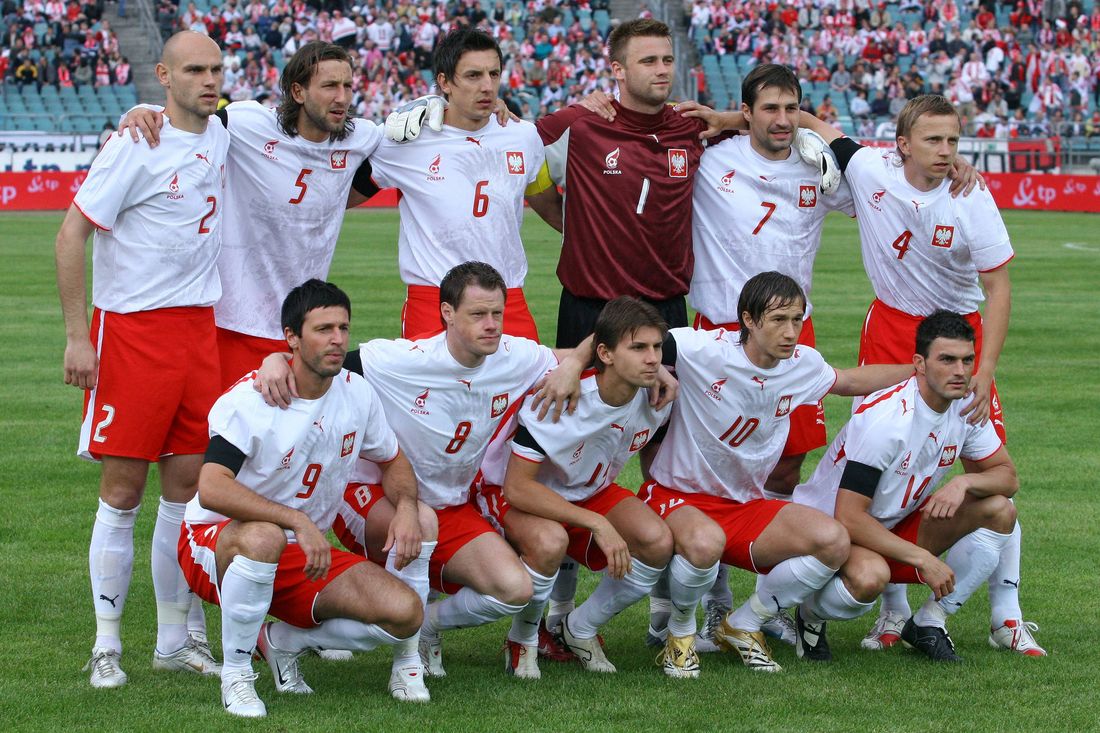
{"x": 577, "y": 453}
{"x": 876, "y": 199}
{"x": 715, "y": 390}
{"x": 269, "y": 149}
{"x": 678, "y": 163}
{"x": 807, "y": 197}
{"x": 611, "y": 164}
{"x": 948, "y": 455}
{"x": 725, "y": 183}
{"x": 174, "y": 188}
{"x": 285, "y": 463}
{"x": 434, "y": 167}
{"x": 347, "y": 444}
{"x": 783, "y": 408}
{"x": 338, "y": 159}
{"x": 943, "y": 235}
{"x": 420, "y": 404}
{"x": 904, "y": 467}
{"x": 514, "y": 159}
{"x": 499, "y": 405}
{"x": 639, "y": 440}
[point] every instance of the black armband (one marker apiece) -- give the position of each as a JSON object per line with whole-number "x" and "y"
{"x": 353, "y": 362}
{"x": 668, "y": 351}
{"x": 223, "y": 115}
{"x": 844, "y": 148}
{"x": 363, "y": 183}
{"x": 523, "y": 437}
{"x": 860, "y": 478}
{"x": 224, "y": 453}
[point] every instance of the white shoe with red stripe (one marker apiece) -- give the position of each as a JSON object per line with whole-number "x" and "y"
{"x": 1016, "y": 635}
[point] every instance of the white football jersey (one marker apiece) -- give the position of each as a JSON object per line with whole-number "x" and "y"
{"x": 301, "y": 457}
{"x": 158, "y": 216}
{"x": 445, "y": 414}
{"x": 286, "y": 198}
{"x": 584, "y": 452}
{"x": 461, "y": 198}
{"x": 923, "y": 250}
{"x": 914, "y": 446}
{"x": 731, "y": 419}
{"x": 751, "y": 215}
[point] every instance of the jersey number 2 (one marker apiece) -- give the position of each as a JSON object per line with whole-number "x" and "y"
{"x": 203, "y": 229}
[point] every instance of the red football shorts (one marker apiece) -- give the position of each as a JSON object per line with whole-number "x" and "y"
{"x": 907, "y": 529}
{"x": 807, "y": 421}
{"x": 458, "y": 526}
{"x": 420, "y": 316}
{"x": 581, "y": 547}
{"x": 742, "y": 523}
{"x": 889, "y": 336}
{"x": 240, "y": 354}
{"x": 158, "y": 379}
{"x": 294, "y": 594}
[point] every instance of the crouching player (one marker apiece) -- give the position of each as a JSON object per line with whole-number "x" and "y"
{"x": 565, "y": 472}
{"x": 883, "y": 468}
{"x": 253, "y": 539}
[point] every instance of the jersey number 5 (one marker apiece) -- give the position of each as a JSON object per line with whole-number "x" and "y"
{"x": 300, "y": 184}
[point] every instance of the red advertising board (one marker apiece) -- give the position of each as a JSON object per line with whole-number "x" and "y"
{"x": 54, "y": 190}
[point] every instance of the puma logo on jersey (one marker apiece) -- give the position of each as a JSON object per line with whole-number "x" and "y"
{"x": 935, "y": 438}
{"x": 514, "y": 159}
{"x": 617, "y": 426}
{"x": 475, "y": 140}
{"x": 948, "y": 455}
{"x": 678, "y": 163}
{"x": 203, "y": 158}
{"x": 109, "y": 600}
{"x": 916, "y": 204}
{"x": 269, "y": 149}
{"x": 347, "y": 444}
{"x": 807, "y": 197}
{"x": 715, "y": 389}
{"x": 784, "y": 407}
{"x": 434, "y": 167}
{"x": 943, "y": 235}
{"x": 338, "y": 159}
{"x": 611, "y": 163}
{"x": 285, "y": 462}
{"x": 499, "y": 405}
{"x": 420, "y": 403}
{"x": 639, "y": 440}
{"x": 905, "y": 409}
{"x": 665, "y": 508}
{"x": 466, "y": 382}
{"x": 760, "y": 381}
{"x": 318, "y": 423}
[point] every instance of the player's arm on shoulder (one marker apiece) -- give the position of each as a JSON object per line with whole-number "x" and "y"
{"x": 146, "y": 119}
{"x": 998, "y": 307}
{"x": 399, "y": 484}
{"x": 869, "y": 378}
{"x": 715, "y": 122}
{"x": 561, "y": 388}
{"x": 363, "y": 186}
{"x": 524, "y": 492}
{"x": 80, "y": 362}
{"x": 964, "y": 177}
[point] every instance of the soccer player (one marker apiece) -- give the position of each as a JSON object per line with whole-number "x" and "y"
{"x": 883, "y": 469}
{"x": 445, "y": 397}
{"x": 565, "y": 472}
{"x": 157, "y": 225}
{"x": 254, "y": 537}
{"x": 924, "y": 250}
{"x": 462, "y": 188}
{"x": 726, "y": 434}
{"x": 290, "y": 173}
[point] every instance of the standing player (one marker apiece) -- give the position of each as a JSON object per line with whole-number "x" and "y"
{"x": 565, "y": 472}
{"x": 924, "y": 250}
{"x": 726, "y": 434}
{"x": 445, "y": 397}
{"x": 157, "y": 224}
{"x": 254, "y": 541}
{"x": 289, "y": 174}
{"x": 462, "y": 188}
{"x": 900, "y": 443}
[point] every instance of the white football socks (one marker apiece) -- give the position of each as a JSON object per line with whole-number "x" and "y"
{"x": 612, "y": 596}
{"x": 110, "y": 565}
{"x": 788, "y": 584}
{"x": 687, "y": 586}
{"x": 972, "y": 558}
{"x": 525, "y": 624}
{"x": 719, "y": 591}
{"x": 333, "y": 633}
{"x": 895, "y": 599}
{"x": 834, "y": 602}
{"x": 1004, "y": 583}
{"x": 565, "y": 591}
{"x": 414, "y": 575}
{"x": 169, "y": 586}
{"x": 463, "y": 609}
{"x": 245, "y": 593}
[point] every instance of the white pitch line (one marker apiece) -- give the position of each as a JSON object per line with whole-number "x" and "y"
{"x": 1081, "y": 247}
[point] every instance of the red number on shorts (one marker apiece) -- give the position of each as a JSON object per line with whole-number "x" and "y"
{"x": 595, "y": 475}
{"x": 771, "y": 210}
{"x": 462, "y": 431}
{"x": 481, "y": 200}
{"x": 203, "y": 229}
{"x": 309, "y": 480}
{"x": 108, "y": 418}
{"x": 739, "y": 432}
{"x": 920, "y": 490}
{"x": 301, "y": 184}
{"x": 901, "y": 244}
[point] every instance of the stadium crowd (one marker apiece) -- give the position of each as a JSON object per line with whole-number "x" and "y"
{"x": 1023, "y": 70}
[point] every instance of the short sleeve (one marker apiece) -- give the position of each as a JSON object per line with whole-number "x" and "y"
{"x": 235, "y": 420}
{"x": 379, "y": 440}
{"x": 980, "y": 442}
{"x": 109, "y": 187}
{"x": 870, "y": 443}
{"x": 820, "y": 376}
{"x": 987, "y": 236}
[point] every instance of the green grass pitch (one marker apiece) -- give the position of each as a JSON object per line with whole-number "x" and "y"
{"x": 1048, "y": 378}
